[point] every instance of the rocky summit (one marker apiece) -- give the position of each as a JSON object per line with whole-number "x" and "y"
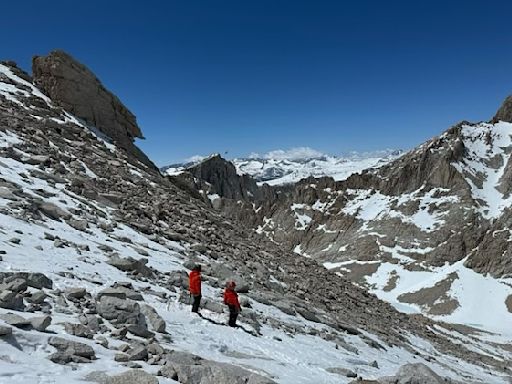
{"x": 96, "y": 246}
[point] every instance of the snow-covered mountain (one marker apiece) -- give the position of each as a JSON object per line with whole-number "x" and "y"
{"x": 287, "y": 167}
{"x": 95, "y": 246}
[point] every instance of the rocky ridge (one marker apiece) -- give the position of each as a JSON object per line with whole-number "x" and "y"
{"x": 102, "y": 244}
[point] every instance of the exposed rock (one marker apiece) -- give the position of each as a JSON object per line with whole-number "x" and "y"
{"x": 11, "y": 300}
{"x": 33, "y": 279}
{"x": 37, "y": 297}
{"x": 123, "y": 312}
{"x": 16, "y": 285}
{"x": 415, "y": 374}
{"x": 75, "y": 293}
{"x": 130, "y": 264}
{"x": 41, "y": 323}
{"x": 5, "y": 331}
{"x": 139, "y": 352}
{"x": 190, "y": 369}
{"x": 53, "y": 211}
{"x": 504, "y": 113}
{"x": 342, "y": 371}
{"x": 128, "y": 377}
{"x": 156, "y": 321}
{"x": 75, "y": 88}
{"x": 72, "y": 348}
{"x": 78, "y": 330}
{"x": 15, "y": 320}
{"x": 120, "y": 292}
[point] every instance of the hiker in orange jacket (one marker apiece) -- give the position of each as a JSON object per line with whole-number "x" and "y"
{"x": 194, "y": 283}
{"x": 231, "y": 300}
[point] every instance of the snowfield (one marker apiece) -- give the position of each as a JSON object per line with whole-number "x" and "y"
{"x": 288, "y": 167}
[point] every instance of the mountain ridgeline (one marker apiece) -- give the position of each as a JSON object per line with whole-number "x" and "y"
{"x": 96, "y": 245}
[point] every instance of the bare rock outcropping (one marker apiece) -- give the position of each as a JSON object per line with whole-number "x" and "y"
{"x": 72, "y": 86}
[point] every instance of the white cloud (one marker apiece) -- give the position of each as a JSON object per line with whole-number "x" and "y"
{"x": 290, "y": 154}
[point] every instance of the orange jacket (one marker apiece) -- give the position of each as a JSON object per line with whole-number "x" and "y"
{"x": 231, "y": 298}
{"x": 194, "y": 283}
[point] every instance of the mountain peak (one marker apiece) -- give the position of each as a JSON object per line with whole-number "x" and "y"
{"x": 75, "y": 88}
{"x": 504, "y": 113}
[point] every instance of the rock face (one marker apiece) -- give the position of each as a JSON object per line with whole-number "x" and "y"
{"x": 505, "y": 111}
{"x": 72, "y": 86}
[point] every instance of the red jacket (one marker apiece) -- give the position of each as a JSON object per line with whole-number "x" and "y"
{"x": 194, "y": 283}
{"x": 231, "y": 298}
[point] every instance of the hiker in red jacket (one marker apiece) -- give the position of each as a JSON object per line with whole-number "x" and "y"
{"x": 231, "y": 300}
{"x": 194, "y": 283}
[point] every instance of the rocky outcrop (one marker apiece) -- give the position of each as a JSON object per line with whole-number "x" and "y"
{"x": 504, "y": 113}
{"x": 72, "y": 86}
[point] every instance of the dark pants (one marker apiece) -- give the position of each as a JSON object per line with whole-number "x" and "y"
{"x": 195, "y": 303}
{"x": 233, "y": 314}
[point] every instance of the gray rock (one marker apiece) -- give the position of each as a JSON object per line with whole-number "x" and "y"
{"x": 123, "y": 312}
{"x": 121, "y": 357}
{"x": 5, "y": 330}
{"x": 41, "y": 323}
{"x": 80, "y": 225}
{"x": 414, "y": 374}
{"x": 155, "y": 320}
{"x": 155, "y": 349}
{"x": 190, "y": 369}
{"x": 15, "y": 320}
{"x": 53, "y": 211}
{"x": 139, "y": 352}
{"x": 112, "y": 292}
{"x": 72, "y": 86}
{"x": 75, "y": 293}
{"x": 11, "y": 300}
{"x": 17, "y": 285}
{"x": 78, "y": 330}
{"x": 33, "y": 279}
{"x": 342, "y": 371}
{"x": 74, "y": 348}
{"x": 130, "y": 264}
{"x": 121, "y": 292}
{"x": 37, "y": 297}
{"x": 128, "y": 377}
{"x": 15, "y": 240}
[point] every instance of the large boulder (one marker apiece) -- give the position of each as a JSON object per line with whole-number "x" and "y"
{"x": 33, "y": 279}
{"x": 191, "y": 369}
{"x": 72, "y": 86}
{"x": 123, "y": 313}
{"x": 156, "y": 321}
{"x": 70, "y": 351}
{"x": 128, "y": 377}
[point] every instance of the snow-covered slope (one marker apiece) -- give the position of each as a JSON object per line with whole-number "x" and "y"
{"x": 86, "y": 217}
{"x": 288, "y": 167}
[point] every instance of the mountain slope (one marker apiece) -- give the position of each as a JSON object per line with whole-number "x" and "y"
{"x": 413, "y": 231}
{"x": 80, "y": 215}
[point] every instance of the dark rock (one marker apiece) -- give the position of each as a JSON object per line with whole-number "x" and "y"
{"x": 75, "y": 293}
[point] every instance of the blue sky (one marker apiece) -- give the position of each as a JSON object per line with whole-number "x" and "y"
{"x": 254, "y": 76}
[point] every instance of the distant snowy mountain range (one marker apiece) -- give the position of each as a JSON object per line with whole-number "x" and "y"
{"x": 285, "y": 167}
